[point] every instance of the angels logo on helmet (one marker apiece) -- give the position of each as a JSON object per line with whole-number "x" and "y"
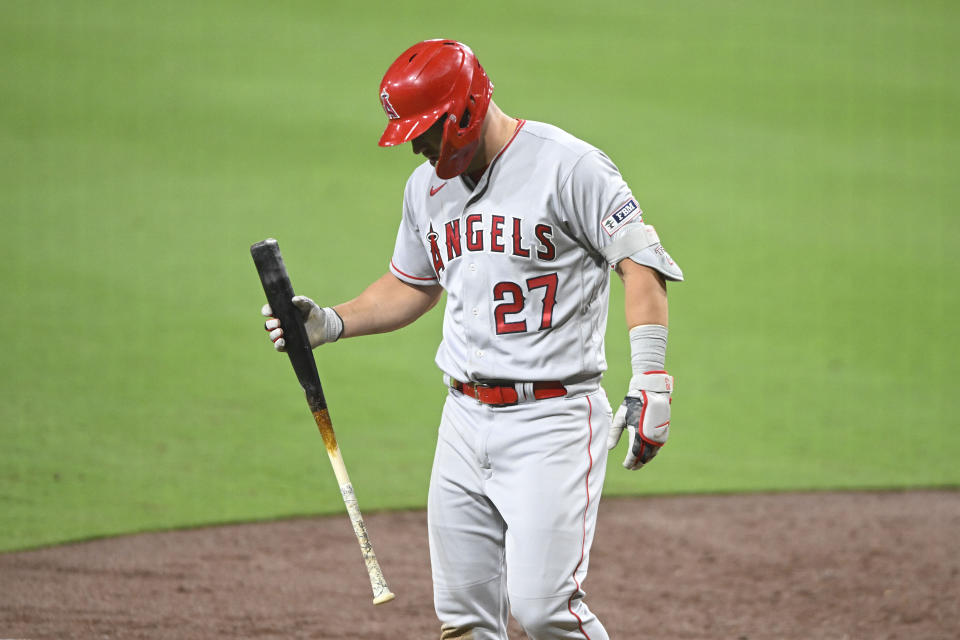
{"x": 385, "y": 101}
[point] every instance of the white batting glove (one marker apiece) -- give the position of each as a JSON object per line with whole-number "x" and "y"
{"x": 323, "y": 324}
{"x": 645, "y": 415}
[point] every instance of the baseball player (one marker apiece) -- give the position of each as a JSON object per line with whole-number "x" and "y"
{"x": 520, "y": 223}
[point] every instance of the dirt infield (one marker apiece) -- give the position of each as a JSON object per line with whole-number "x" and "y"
{"x": 807, "y": 566}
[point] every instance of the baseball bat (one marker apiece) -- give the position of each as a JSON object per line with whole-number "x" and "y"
{"x": 279, "y": 290}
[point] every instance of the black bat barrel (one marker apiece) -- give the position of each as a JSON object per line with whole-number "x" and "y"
{"x": 279, "y": 290}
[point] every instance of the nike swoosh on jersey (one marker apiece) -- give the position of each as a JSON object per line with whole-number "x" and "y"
{"x": 433, "y": 191}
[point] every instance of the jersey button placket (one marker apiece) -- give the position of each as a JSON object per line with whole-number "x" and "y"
{"x": 475, "y": 288}
{"x": 476, "y": 310}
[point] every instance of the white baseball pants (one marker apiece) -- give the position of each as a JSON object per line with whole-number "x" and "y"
{"x": 512, "y": 511}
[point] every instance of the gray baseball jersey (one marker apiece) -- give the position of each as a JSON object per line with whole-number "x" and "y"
{"x": 523, "y": 257}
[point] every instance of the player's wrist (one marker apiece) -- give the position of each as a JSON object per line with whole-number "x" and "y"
{"x": 651, "y": 382}
{"x": 648, "y": 348}
{"x": 332, "y": 325}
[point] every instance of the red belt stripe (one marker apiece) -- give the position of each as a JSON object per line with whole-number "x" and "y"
{"x": 507, "y": 394}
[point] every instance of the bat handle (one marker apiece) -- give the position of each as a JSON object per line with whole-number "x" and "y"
{"x": 381, "y": 592}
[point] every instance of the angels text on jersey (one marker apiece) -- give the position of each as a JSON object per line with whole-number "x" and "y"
{"x": 495, "y": 233}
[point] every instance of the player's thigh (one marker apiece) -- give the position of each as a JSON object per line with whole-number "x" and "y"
{"x": 466, "y": 530}
{"x": 549, "y": 493}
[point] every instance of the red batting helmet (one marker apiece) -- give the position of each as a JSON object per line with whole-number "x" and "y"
{"x": 430, "y": 80}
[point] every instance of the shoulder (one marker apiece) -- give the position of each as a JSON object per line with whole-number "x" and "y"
{"x": 565, "y": 145}
{"x": 570, "y": 153}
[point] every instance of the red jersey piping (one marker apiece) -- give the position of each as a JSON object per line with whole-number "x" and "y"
{"x": 407, "y": 275}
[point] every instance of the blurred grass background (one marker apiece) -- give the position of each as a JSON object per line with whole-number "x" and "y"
{"x": 799, "y": 160}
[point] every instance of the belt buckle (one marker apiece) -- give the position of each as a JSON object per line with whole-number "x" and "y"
{"x": 503, "y": 402}
{"x": 468, "y": 389}
{"x": 476, "y": 390}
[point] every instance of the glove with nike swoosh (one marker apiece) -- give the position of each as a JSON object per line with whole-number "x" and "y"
{"x": 645, "y": 415}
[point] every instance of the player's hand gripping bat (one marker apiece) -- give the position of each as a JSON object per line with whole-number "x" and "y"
{"x": 276, "y": 284}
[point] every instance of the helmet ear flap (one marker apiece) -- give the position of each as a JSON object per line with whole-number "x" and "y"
{"x": 467, "y": 112}
{"x": 462, "y": 139}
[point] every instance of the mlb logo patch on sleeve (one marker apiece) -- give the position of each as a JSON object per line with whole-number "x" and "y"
{"x": 629, "y": 210}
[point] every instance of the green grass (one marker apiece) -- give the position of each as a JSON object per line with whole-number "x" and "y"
{"x": 798, "y": 159}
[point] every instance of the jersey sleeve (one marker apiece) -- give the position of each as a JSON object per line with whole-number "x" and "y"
{"x": 410, "y": 262}
{"x": 600, "y": 207}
